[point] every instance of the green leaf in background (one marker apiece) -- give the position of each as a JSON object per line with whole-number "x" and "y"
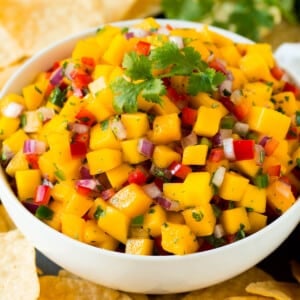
{"x": 250, "y": 18}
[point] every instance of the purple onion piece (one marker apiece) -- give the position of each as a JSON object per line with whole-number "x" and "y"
{"x": 85, "y": 173}
{"x": 32, "y": 207}
{"x": 56, "y": 77}
{"x": 145, "y": 147}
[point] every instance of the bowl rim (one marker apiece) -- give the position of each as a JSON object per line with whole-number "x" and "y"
{"x": 7, "y": 192}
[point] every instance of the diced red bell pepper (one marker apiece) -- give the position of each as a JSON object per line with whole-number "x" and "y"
{"x": 143, "y": 48}
{"x": 179, "y": 170}
{"x": 277, "y": 72}
{"x": 86, "y": 117}
{"x": 292, "y": 134}
{"x": 240, "y": 110}
{"x": 270, "y": 146}
{"x": 83, "y": 190}
{"x": 274, "y": 170}
{"x": 88, "y": 61}
{"x": 244, "y": 149}
{"x": 78, "y": 149}
{"x": 42, "y": 195}
{"x": 81, "y": 79}
{"x": 33, "y": 160}
{"x": 55, "y": 65}
{"x": 188, "y": 116}
{"x": 216, "y": 155}
{"x": 218, "y": 66}
{"x": 289, "y": 87}
{"x": 81, "y": 138}
{"x": 137, "y": 176}
{"x": 174, "y": 95}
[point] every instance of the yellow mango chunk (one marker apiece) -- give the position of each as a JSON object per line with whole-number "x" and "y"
{"x": 15, "y": 142}
{"x": 208, "y": 121}
{"x": 204, "y": 99}
{"x": 71, "y": 108}
{"x": 72, "y": 226}
{"x": 119, "y": 175}
{"x": 178, "y": 239}
{"x": 280, "y": 196}
{"x": 264, "y": 50}
{"x": 136, "y": 124}
{"x": 139, "y": 246}
{"x": 195, "y": 155}
{"x": 77, "y": 204}
{"x": 230, "y": 54}
{"x": 62, "y": 190}
{"x": 23, "y": 177}
{"x": 108, "y": 215}
{"x": 153, "y": 219}
{"x": 17, "y": 163}
{"x": 175, "y": 217}
{"x": 131, "y": 153}
{"x": 239, "y": 78}
{"x": 254, "y": 198}
{"x": 198, "y": 189}
{"x": 8, "y": 126}
{"x": 257, "y": 221}
{"x": 166, "y": 129}
{"x": 248, "y": 167}
{"x": 101, "y": 136}
{"x": 262, "y": 120}
{"x": 235, "y": 219}
{"x": 201, "y": 219}
{"x": 164, "y": 155}
{"x": 88, "y": 47}
{"x": 176, "y": 191}
{"x": 131, "y": 200}
{"x": 55, "y": 221}
{"x": 257, "y": 93}
{"x": 93, "y": 234}
{"x": 285, "y": 102}
{"x": 233, "y": 186}
{"x": 102, "y": 160}
{"x": 33, "y": 96}
{"x": 166, "y": 107}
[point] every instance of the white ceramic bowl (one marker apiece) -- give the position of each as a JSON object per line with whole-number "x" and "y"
{"x": 144, "y": 274}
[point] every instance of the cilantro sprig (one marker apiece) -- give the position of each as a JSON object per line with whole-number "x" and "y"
{"x": 171, "y": 61}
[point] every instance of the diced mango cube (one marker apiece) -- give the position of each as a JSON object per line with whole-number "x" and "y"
{"x": 233, "y": 186}
{"x": 176, "y": 191}
{"x": 208, "y": 121}
{"x": 166, "y": 107}
{"x": 262, "y": 119}
{"x": 8, "y": 126}
{"x": 254, "y": 198}
{"x": 195, "y": 155}
{"x": 119, "y": 175}
{"x": 17, "y": 163}
{"x": 33, "y": 96}
{"x": 140, "y": 246}
{"x": 136, "y": 124}
{"x": 131, "y": 200}
{"x": 153, "y": 219}
{"x": 131, "y": 153}
{"x": 257, "y": 221}
{"x": 164, "y": 155}
{"x": 285, "y": 102}
{"x": 166, "y": 129}
{"x": 234, "y": 220}
{"x": 93, "y": 234}
{"x": 201, "y": 219}
{"x": 72, "y": 226}
{"x": 23, "y": 177}
{"x": 178, "y": 239}
{"x": 15, "y": 142}
{"x": 258, "y": 93}
{"x": 77, "y": 204}
{"x": 62, "y": 190}
{"x": 102, "y": 160}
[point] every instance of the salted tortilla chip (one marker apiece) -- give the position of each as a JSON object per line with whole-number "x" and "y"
{"x": 277, "y": 290}
{"x": 142, "y": 9}
{"x": 295, "y": 268}
{"x": 59, "y": 287}
{"x": 18, "y": 277}
{"x": 10, "y": 50}
{"x": 249, "y": 298}
{"x": 6, "y": 223}
{"x": 232, "y": 287}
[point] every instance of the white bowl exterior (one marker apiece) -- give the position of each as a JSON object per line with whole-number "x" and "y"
{"x": 140, "y": 274}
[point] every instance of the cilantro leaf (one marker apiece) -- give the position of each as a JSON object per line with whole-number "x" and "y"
{"x": 125, "y": 95}
{"x": 153, "y": 89}
{"x": 137, "y": 66}
{"x": 206, "y": 81}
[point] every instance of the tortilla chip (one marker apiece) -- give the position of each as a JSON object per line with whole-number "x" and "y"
{"x": 6, "y": 223}
{"x": 142, "y": 9}
{"x": 18, "y": 275}
{"x": 295, "y": 268}
{"x": 232, "y": 287}
{"x": 10, "y": 50}
{"x": 277, "y": 290}
{"x": 249, "y": 298}
{"x": 59, "y": 287}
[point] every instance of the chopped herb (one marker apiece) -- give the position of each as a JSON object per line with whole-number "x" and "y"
{"x": 261, "y": 181}
{"x": 38, "y": 89}
{"x": 23, "y": 121}
{"x": 206, "y": 141}
{"x": 214, "y": 241}
{"x": 124, "y": 30}
{"x": 297, "y": 118}
{"x": 241, "y": 233}
{"x": 100, "y": 212}
{"x": 165, "y": 224}
{"x": 57, "y": 97}
{"x": 249, "y": 209}
{"x": 44, "y": 213}
{"x": 231, "y": 204}
{"x": 197, "y": 216}
{"x": 298, "y": 162}
{"x": 151, "y": 210}
{"x": 227, "y": 122}
{"x": 59, "y": 173}
{"x": 104, "y": 125}
{"x": 286, "y": 98}
{"x": 137, "y": 221}
{"x": 217, "y": 211}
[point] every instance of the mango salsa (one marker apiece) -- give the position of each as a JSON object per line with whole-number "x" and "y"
{"x": 174, "y": 142}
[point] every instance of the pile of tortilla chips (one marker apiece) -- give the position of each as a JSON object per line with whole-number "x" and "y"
{"x": 21, "y": 279}
{"x": 27, "y": 26}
